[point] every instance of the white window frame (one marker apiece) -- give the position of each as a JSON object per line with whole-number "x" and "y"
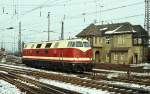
{"x": 115, "y": 57}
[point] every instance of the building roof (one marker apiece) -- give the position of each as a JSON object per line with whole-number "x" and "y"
{"x": 106, "y": 29}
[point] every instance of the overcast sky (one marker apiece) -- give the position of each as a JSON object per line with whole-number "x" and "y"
{"x": 78, "y": 15}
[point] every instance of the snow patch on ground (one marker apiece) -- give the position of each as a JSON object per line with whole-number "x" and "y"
{"x": 29, "y": 84}
{"x": 111, "y": 75}
{"x": 132, "y": 85}
{"x": 68, "y": 86}
{"x": 123, "y": 72}
{"x": 144, "y": 65}
{"x": 3, "y": 60}
{"x": 76, "y": 88}
{"x": 7, "y": 88}
{"x": 4, "y": 72}
{"x": 38, "y": 70}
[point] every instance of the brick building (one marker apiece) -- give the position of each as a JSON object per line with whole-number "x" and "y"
{"x": 120, "y": 43}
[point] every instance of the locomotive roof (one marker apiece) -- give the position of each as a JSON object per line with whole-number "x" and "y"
{"x": 52, "y": 44}
{"x": 58, "y": 41}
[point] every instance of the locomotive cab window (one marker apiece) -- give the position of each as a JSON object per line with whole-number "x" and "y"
{"x": 79, "y": 44}
{"x": 38, "y": 45}
{"x": 71, "y": 44}
{"x": 48, "y": 45}
{"x": 86, "y": 44}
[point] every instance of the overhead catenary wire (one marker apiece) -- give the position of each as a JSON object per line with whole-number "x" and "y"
{"x": 90, "y": 13}
{"x": 37, "y": 33}
{"x": 126, "y": 17}
{"x": 106, "y": 10}
{"x": 51, "y": 5}
{"x": 38, "y": 7}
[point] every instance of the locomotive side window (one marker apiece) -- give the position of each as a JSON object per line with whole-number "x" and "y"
{"x": 25, "y": 46}
{"x": 48, "y": 45}
{"x": 86, "y": 44}
{"x": 69, "y": 44}
{"x": 73, "y": 44}
{"x": 79, "y": 44}
{"x": 56, "y": 44}
{"x": 32, "y": 45}
{"x": 38, "y": 45}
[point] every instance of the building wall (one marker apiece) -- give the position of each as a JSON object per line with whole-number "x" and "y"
{"x": 103, "y": 45}
{"x": 119, "y": 57}
{"x": 124, "y": 40}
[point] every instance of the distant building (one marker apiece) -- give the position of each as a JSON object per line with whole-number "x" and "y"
{"x": 120, "y": 43}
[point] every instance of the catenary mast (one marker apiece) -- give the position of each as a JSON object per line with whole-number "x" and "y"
{"x": 147, "y": 16}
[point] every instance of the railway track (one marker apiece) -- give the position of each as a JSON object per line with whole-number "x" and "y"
{"x": 142, "y": 80}
{"x": 101, "y": 84}
{"x": 97, "y": 84}
{"x": 31, "y": 86}
{"x": 124, "y": 79}
{"x": 22, "y": 86}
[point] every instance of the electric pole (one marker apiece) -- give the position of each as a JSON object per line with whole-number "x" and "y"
{"x": 19, "y": 40}
{"x": 3, "y": 10}
{"x": 147, "y": 16}
{"x": 2, "y": 44}
{"x": 62, "y": 30}
{"x": 48, "y": 26}
{"x": 84, "y": 16}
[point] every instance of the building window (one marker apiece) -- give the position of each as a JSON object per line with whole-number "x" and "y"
{"x": 122, "y": 57}
{"x": 139, "y": 41}
{"x": 121, "y": 40}
{"x": 96, "y": 40}
{"x": 145, "y": 41}
{"x": 107, "y": 57}
{"x": 115, "y": 57}
{"x": 107, "y": 40}
{"x": 91, "y": 41}
{"x": 100, "y": 40}
{"x": 135, "y": 41}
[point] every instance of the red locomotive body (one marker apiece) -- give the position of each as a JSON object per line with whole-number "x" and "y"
{"x": 69, "y": 55}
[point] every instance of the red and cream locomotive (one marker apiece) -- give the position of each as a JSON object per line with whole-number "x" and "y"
{"x": 68, "y": 55}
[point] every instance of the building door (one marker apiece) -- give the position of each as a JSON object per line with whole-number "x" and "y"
{"x": 97, "y": 56}
{"x": 135, "y": 60}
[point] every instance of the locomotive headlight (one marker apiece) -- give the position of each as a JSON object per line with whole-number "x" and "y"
{"x": 91, "y": 58}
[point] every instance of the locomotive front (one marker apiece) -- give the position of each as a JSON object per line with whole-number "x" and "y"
{"x": 82, "y": 55}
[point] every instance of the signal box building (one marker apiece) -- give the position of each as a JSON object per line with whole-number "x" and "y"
{"x": 120, "y": 43}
